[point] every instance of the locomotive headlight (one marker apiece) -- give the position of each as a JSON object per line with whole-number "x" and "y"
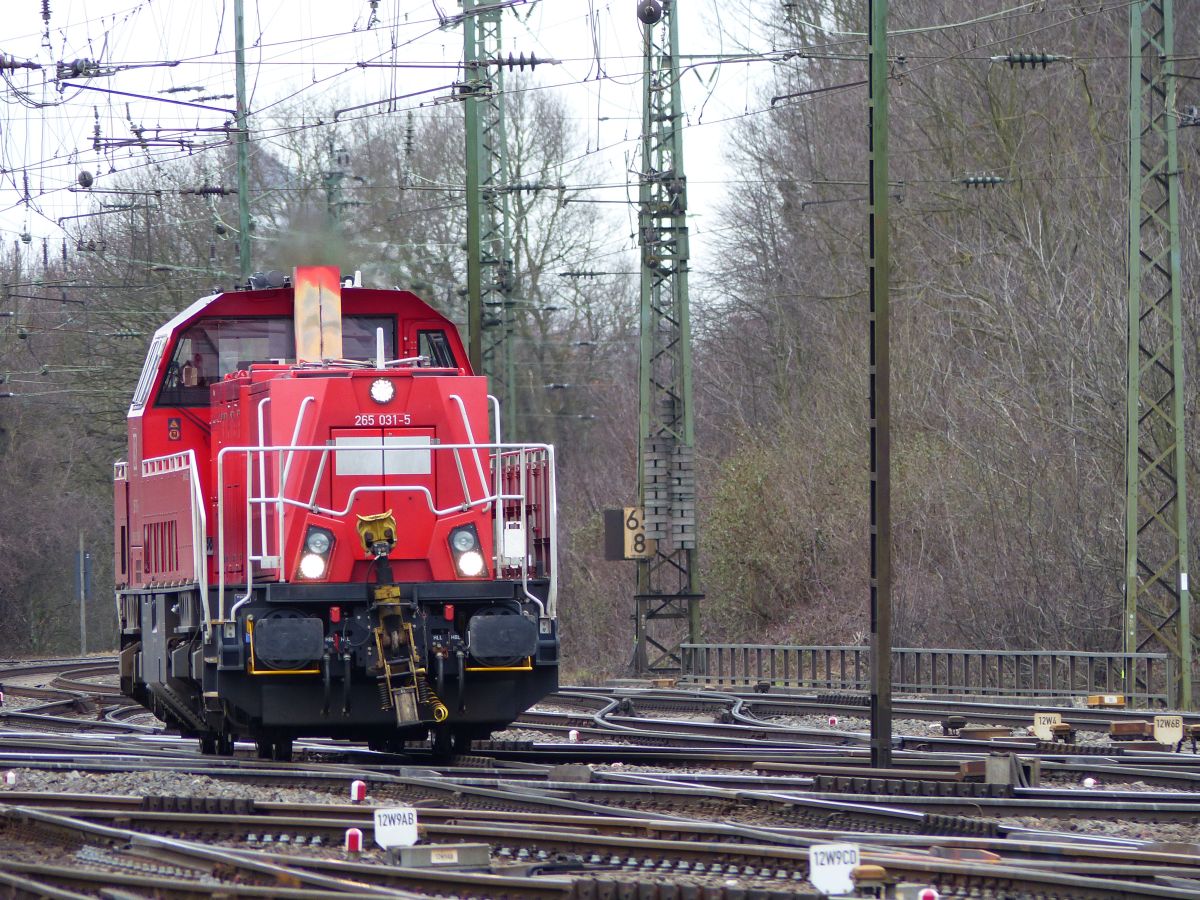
{"x": 463, "y": 540}
{"x": 312, "y": 565}
{"x": 465, "y": 548}
{"x": 382, "y": 390}
{"x": 470, "y": 564}
{"x": 318, "y": 541}
{"x": 314, "y": 558}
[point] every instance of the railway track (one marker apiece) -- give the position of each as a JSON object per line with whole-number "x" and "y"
{"x": 755, "y": 710}
{"x": 645, "y": 802}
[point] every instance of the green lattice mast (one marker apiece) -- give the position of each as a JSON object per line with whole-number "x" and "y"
{"x": 667, "y": 594}
{"x": 1157, "y": 600}
{"x": 489, "y": 247}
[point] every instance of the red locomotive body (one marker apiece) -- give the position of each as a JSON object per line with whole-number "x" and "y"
{"x": 316, "y": 534}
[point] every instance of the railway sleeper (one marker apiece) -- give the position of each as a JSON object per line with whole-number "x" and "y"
{"x": 908, "y": 787}
{"x": 502, "y": 746}
{"x": 1057, "y": 748}
{"x": 936, "y": 823}
{"x": 219, "y": 805}
{"x": 614, "y": 889}
{"x": 844, "y": 699}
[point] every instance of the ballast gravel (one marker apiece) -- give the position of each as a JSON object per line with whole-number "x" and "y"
{"x": 151, "y": 783}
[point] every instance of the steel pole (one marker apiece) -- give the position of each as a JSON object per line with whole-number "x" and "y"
{"x": 243, "y": 137}
{"x": 668, "y": 581}
{"x": 474, "y": 204}
{"x": 1157, "y": 594}
{"x": 82, "y": 598}
{"x": 1133, "y": 310}
{"x": 490, "y": 265}
{"x": 880, "y": 391}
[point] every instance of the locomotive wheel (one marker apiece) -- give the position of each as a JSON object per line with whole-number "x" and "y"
{"x": 219, "y": 744}
{"x": 441, "y": 741}
{"x": 446, "y": 742}
{"x": 278, "y": 749}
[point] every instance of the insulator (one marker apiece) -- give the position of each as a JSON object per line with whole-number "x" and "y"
{"x": 982, "y": 180}
{"x": 1030, "y": 58}
{"x": 10, "y": 63}
{"x": 208, "y": 191}
{"x": 516, "y": 61}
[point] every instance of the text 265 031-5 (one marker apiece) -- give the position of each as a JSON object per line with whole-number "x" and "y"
{"x": 382, "y": 419}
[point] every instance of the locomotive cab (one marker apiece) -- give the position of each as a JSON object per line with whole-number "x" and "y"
{"x": 320, "y": 533}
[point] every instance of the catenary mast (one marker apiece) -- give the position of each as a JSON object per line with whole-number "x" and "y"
{"x": 667, "y": 601}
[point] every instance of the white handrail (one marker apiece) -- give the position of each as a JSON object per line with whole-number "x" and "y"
{"x": 497, "y": 474}
{"x": 523, "y": 467}
{"x": 262, "y": 479}
{"x": 498, "y": 497}
{"x": 186, "y": 462}
{"x": 286, "y": 470}
{"x": 552, "y": 526}
{"x": 462, "y": 408}
{"x": 199, "y": 539}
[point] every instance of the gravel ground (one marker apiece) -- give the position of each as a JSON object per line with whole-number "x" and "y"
{"x": 915, "y": 728}
{"x": 529, "y": 734}
{"x": 1160, "y": 832}
{"x": 15, "y": 703}
{"x": 111, "y": 680}
{"x": 1073, "y": 781}
{"x": 910, "y": 727}
{"x": 165, "y": 784}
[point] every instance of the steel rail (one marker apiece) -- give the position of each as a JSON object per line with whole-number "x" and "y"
{"x": 648, "y": 854}
{"x": 40, "y": 880}
{"x": 26, "y": 818}
{"x": 1019, "y": 711}
{"x": 1020, "y": 840}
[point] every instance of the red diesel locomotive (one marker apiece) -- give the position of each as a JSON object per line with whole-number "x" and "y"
{"x": 319, "y": 531}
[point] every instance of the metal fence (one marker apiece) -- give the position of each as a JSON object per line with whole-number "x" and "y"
{"x": 1030, "y": 673}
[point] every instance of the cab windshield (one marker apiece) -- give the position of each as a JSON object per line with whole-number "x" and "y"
{"x": 213, "y": 348}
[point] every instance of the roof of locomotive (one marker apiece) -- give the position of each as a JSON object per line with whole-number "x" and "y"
{"x": 280, "y": 301}
{"x": 405, "y": 305}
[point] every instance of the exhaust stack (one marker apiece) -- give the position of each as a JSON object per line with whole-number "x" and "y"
{"x": 318, "y": 313}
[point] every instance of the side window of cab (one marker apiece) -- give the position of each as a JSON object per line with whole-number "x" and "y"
{"x": 210, "y": 349}
{"x": 435, "y": 346}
